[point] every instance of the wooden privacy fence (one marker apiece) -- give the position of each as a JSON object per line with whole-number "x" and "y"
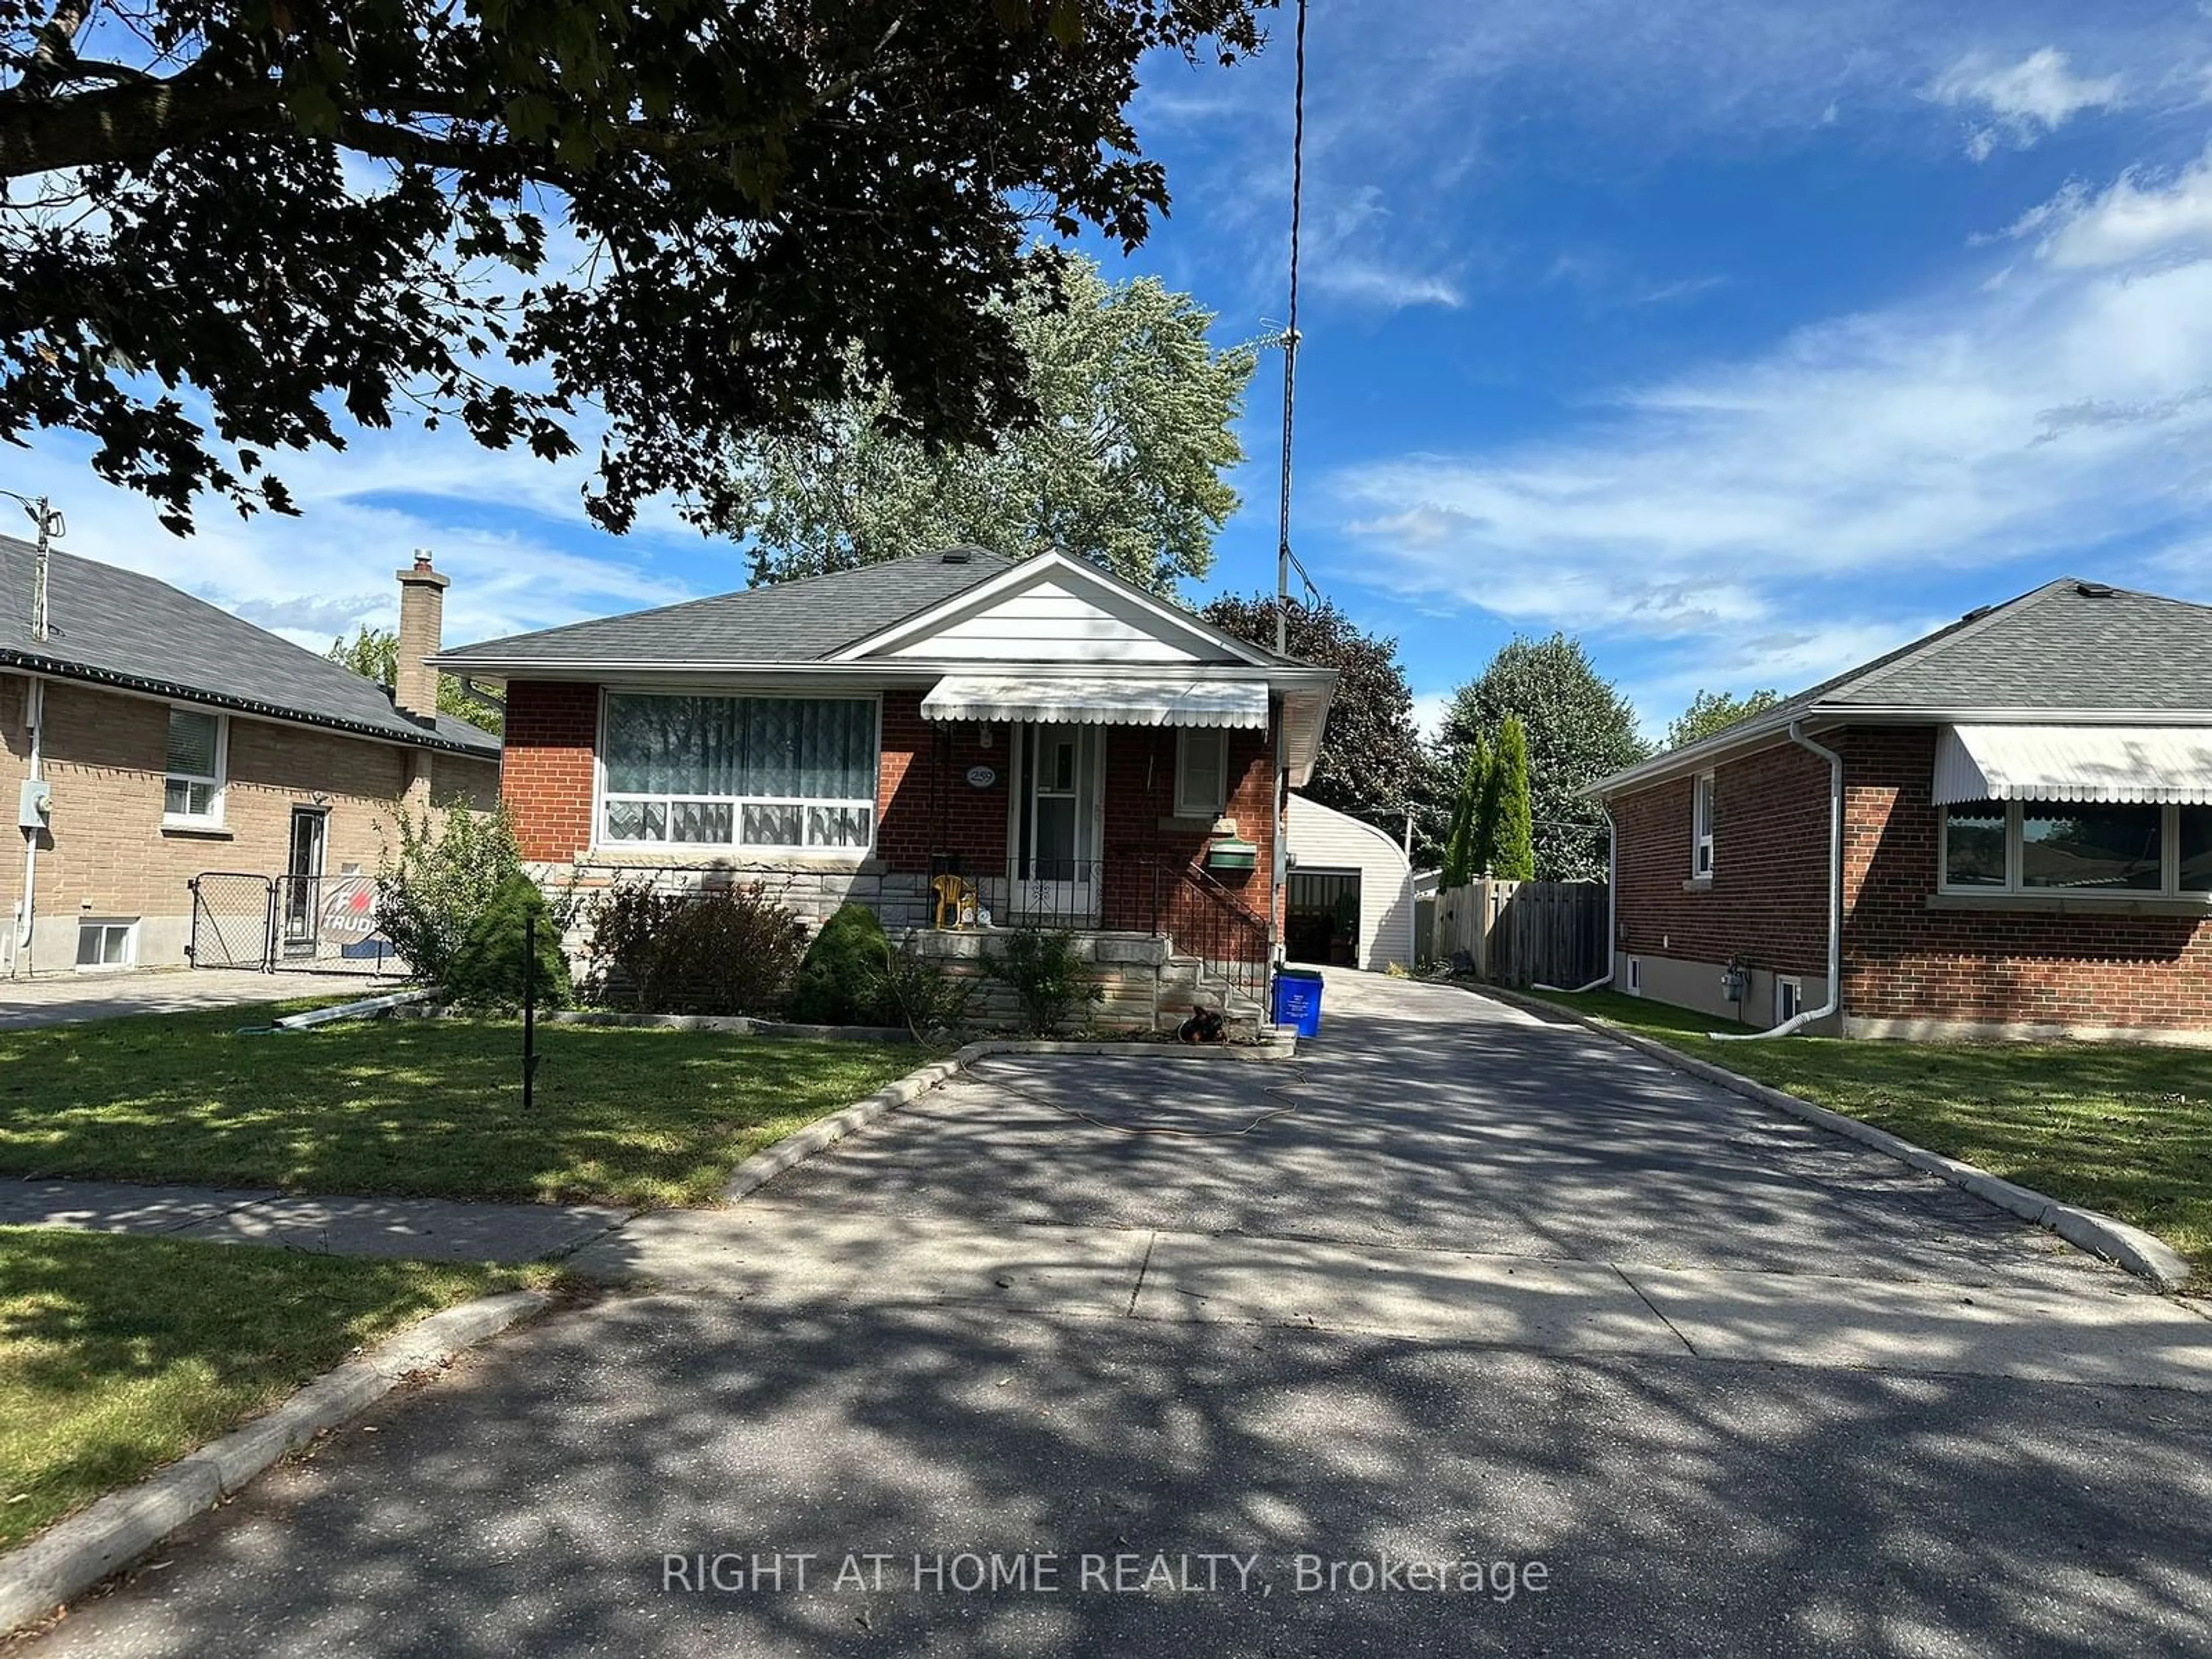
{"x": 1526, "y": 932}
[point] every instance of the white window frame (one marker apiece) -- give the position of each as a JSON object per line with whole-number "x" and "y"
{"x": 1788, "y": 997}
{"x": 1187, "y": 805}
{"x": 219, "y": 783}
{"x": 128, "y": 925}
{"x": 2169, "y": 881}
{"x": 737, "y": 846}
{"x": 1704, "y": 793}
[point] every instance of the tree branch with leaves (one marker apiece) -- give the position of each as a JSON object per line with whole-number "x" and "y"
{"x": 229, "y": 227}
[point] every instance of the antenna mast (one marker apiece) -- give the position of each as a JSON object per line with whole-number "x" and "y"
{"x": 1291, "y": 339}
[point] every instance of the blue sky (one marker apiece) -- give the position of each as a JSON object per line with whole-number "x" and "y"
{"x": 1743, "y": 340}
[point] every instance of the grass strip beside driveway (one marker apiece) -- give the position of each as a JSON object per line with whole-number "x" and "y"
{"x": 2125, "y": 1129}
{"x": 120, "y": 1354}
{"x": 416, "y": 1108}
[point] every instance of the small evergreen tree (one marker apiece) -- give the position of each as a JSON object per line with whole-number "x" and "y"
{"x": 1463, "y": 851}
{"x": 487, "y": 971}
{"x": 842, "y": 981}
{"x": 1512, "y": 834}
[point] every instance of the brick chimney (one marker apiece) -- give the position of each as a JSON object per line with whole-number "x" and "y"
{"x": 422, "y": 627}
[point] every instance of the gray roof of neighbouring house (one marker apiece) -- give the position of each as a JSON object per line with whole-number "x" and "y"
{"x": 2069, "y": 647}
{"x": 801, "y": 620}
{"x": 115, "y": 627}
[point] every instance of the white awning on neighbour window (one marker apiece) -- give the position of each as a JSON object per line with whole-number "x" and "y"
{"x": 1059, "y": 700}
{"x": 2148, "y": 763}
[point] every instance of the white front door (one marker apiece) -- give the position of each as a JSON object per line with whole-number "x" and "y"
{"x": 1056, "y": 797}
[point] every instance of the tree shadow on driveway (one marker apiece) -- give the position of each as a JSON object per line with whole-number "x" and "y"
{"x": 529, "y": 1504}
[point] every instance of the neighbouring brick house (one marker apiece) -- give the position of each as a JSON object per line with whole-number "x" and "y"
{"x": 1067, "y": 750}
{"x": 146, "y": 737}
{"x": 2004, "y": 829}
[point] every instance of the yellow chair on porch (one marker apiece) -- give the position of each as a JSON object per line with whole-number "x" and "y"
{"x": 957, "y": 902}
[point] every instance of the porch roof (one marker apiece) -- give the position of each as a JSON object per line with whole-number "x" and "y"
{"x": 1076, "y": 700}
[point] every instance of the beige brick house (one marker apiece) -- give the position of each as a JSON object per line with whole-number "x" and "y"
{"x": 148, "y": 738}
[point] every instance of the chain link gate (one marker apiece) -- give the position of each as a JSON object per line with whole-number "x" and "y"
{"x": 297, "y": 924}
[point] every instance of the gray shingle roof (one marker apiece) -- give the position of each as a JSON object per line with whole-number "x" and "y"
{"x": 117, "y": 628}
{"x": 2070, "y": 647}
{"x": 801, "y": 620}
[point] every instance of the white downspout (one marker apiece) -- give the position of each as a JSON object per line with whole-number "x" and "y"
{"x": 1612, "y": 909}
{"x": 34, "y": 719}
{"x": 1835, "y": 1001}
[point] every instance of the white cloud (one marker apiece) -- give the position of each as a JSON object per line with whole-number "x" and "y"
{"x": 2027, "y": 99}
{"x": 316, "y": 576}
{"x": 1763, "y": 515}
{"x": 1369, "y": 283}
{"x": 2138, "y": 218}
{"x": 1429, "y": 709}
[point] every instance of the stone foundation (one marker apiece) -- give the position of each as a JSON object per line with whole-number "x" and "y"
{"x": 1144, "y": 987}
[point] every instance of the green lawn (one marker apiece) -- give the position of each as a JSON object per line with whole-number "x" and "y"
{"x": 416, "y": 1107}
{"x": 2124, "y": 1128}
{"x": 119, "y": 1355}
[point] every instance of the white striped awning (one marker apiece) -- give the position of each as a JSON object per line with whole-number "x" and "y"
{"x": 1060, "y": 700}
{"x": 2149, "y": 763}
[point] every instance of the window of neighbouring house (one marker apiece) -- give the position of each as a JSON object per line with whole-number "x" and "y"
{"x": 2077, "y": 848}
{"x": 102, "y": 943}
{"x": 762, "y": 774}
{"x": 1201, "y": 773}
{"x": 192, "y": 793}
{"x": 1701, "y": 827}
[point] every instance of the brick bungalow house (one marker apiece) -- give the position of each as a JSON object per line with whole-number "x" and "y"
{"x": 146, "y": 737}
{"x": 1040, "y": 740}
{"x": 2003, "y": 829}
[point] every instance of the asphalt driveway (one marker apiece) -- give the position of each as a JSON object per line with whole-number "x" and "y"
{"x": 1495, "y": 1293}
{"x": 1430, "y": 1118}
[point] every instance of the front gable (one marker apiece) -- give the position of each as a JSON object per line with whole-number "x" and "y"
{"x": 1053, "y": 610}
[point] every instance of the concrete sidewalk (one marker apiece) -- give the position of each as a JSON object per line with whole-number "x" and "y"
{"x": 71, "y": 999}
{"x": 421, "y": 1229}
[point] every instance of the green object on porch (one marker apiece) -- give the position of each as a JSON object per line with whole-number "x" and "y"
{"x": 1232, "y": 855}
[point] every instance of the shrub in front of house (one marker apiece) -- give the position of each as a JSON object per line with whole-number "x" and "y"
{"x": 843, "y": 980}
{"x": 1050, "y": 982}
{"x": 437, "y": 882}
{"x": 920, "y": 994}
{"x": 488, "y": 969}
{"x": 724, "y": 950}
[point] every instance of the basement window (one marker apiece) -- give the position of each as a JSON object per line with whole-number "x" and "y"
{"x": 105, "y": 944}
{"x": 1789, "y": 999}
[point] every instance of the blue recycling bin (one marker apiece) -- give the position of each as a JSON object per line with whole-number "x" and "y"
{"x": 1297, "y": 1000}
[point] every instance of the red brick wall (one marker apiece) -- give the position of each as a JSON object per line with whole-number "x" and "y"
{"x": 545, "y": 775}
{"x": 1904, "y": 961}
{"x": 1769, "y": 896}
{"x": 924, "y": 802}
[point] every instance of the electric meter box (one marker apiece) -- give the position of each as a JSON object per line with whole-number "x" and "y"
{"x": 35, "y": 805}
